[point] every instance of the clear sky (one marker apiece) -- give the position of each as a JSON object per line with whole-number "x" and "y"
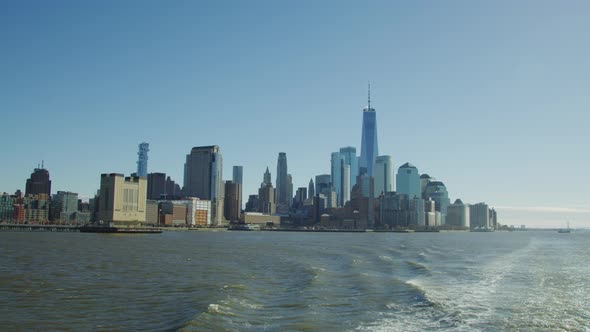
{"x": 490, "y": 97}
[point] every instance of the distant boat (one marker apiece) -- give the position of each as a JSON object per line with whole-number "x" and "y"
{"x": 565, "y": 230}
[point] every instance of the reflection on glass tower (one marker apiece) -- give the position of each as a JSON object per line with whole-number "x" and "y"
{"x": 369, "y": 149}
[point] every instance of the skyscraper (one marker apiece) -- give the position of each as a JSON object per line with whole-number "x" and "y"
{"x": 282, "y": 186}
{"x": 369, "y": 149}
{"x": 232, "y": 201}
{"x": 438, "y": 192}
{"x": 458, "y": 214}
{"x": 289, "y": 190}
{"x": 337, "y": 170}
{"x": 266, "y": 179}
{"x": 39, "y": 182}
{"x": 156, "y": 186}
{"x": 323, "y": 184}
{"x": 408, "y": 181}
{"x": 238, "y": 174}
{"x": 383, "y": 174}
{"x": 311, "y": 189}
{"x": 203, "y": 173}
{"x": 348, "y": 153}
{"x": 142, "y": 159}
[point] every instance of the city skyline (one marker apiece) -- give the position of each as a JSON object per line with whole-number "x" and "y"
{"x": 493, "y": 134}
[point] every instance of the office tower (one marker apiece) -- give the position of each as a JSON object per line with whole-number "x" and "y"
{"x": 311, "y": 189}
{"x": 300, "y": 196}
{"x": 289, "y": 190}
{"x": 172, "y": 189}
{"x": 203, "y": 173}
{"x": 348, "y": 153}
{"x": 266, "y": 180}
{"x": 383, "y": 174}
{"x": 323, "y": 184}
{"x": 346, "y": 188}
{"x": 430, "y": 212}
{"x": 438, "y": 192}
{"x": 458, "y": 214}
{"x": 425, "y": 179}
{"x": 493, "y": 218}
{"x": 336, "y": 167}
{"x": 142, "y": 159}
{"x": 252, "y": 204}
{"x": 122, "y": 199}
{"x": 479, "y": 216}
{"x": 369, "y": 149}
{"x": 232, "y": 201}
{"x": 266, "y": 200}
{"x": 39, "y": 182}
{"x": 238, "y": 175}
{"x": 417, "y": 212}
{"x": 408, "y": 181}
{"x": 65, "y": 204}
{"x": 282, "y": 186}
{"x": 156, "y": 186}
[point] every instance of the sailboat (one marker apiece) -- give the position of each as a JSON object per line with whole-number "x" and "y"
{"x": 565, "y": 230}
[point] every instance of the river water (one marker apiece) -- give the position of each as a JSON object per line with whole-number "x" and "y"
{"x": 268, "y": 281}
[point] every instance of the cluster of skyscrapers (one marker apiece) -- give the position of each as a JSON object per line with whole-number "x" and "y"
{"x": 360, "y": 192}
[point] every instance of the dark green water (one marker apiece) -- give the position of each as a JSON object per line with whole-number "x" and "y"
{"x": 253, "y": 281}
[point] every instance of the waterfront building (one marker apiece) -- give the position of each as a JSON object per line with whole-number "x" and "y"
{"x": 122, "y": 199}
{"x": 479, "y": 216}
{"x": 408, "y": 181}
{"x": 493, "y": 219}
{"x": 7, "y": 207}
{"x": 203, "y": 173}
{"x": 458, "y": 214}
{"x": 282, "y": 190}
{"x": 369, "y": 146}
{"x": 438, "y": 192}
{"x": 232, "y": 201}
{"x": 151, "y": 212}
{"x": 39, "y": 182}
{"x": 383, "y": 174}
{"x": 173, "y": 213}
{"x": 429, "y": 212}
{"x": 35, "y": 209}
{"x": 65, "y": 204}
{"x": 311, "y": 189}
{"x": 257, "y": 218}
{"x": 142, "y": 159}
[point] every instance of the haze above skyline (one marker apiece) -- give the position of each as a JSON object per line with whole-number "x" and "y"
{"x": 490, "y": 98}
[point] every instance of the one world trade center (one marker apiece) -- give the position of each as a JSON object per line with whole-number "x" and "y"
{"x": 369, "y": 151}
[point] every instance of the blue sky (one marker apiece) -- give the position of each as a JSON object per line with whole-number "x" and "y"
{"x": 489, "y": 97}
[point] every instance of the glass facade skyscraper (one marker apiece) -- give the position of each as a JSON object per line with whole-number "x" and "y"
{"x": 369, "y": 149}
{"x": 408, "y": 181}
{"x": 383, "y": 174}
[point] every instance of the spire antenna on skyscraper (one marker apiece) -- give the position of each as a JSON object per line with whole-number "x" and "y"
{"x": 369, "y": 96}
